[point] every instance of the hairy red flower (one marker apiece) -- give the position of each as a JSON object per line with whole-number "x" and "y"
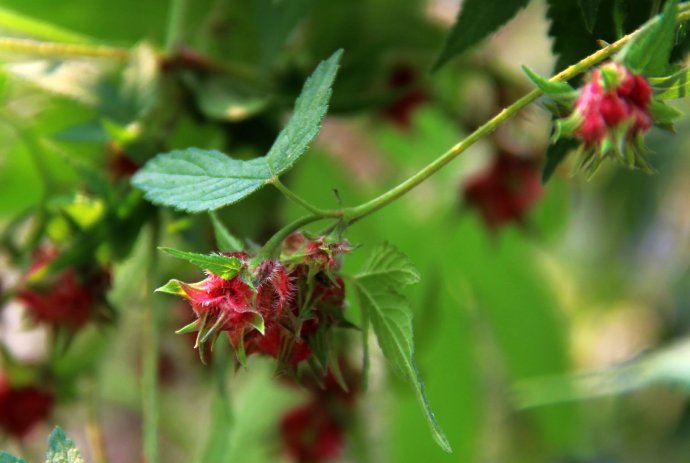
{"x": 21, "y": 408}
{"x": 236, "y": 306}
{"x": 505, "y": 191}
{"x": 68, "y": 299}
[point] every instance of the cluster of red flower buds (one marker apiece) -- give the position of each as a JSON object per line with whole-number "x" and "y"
{"x": 505, "y": 191}
{"x": 22, "y": 407}
{"x": 404, "y": 79}
{"x": 272, "y": 307}
{"x": 69, "y": 299}
{"x": 314, "y": 432}
{"x": 610, "y": 117}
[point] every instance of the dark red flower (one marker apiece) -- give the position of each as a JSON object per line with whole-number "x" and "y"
{"x": 310, "y": 434}
{"x": 505, "y": 191}
{"x": 67, "y": 299}
{"x": 401, "y": 110}
{"x": 21, "y": 408}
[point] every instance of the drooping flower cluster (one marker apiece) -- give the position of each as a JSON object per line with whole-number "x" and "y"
{"x": 610, "y": 117}
{"x": 22, "y": 407}
{"x": 69, "y": 299}
{"x": 505, "y": 191}
{"x": 273, "y": 307}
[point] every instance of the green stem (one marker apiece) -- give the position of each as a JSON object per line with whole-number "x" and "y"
{"x": 355, "y": 213}
{"x": 272, "y": 244}
{"x": 303, "y": 202}
{"x": 61, "y": 50}
{"x": 176, "y": 17}
{"x": 149, "y": 381}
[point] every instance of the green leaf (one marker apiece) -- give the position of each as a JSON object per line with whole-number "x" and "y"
{"x": 305, "y": 123}
{"x": 198, "y": 180}
{"x": 389, "y": 312}
{"x": 223, "y": 266}
{"x": 549, "y": 87}
{"x": 589, "y": 12}
{"x": 7, "y": 458}
{"x": 61, "y": 449}
{"x": 476, "y": 20}
{"x": 225, "y": 240}
{"x": 649, "y": 52}
{"x": 671, "y": 87}
{"x": 572, "y": 41}
{"x": 664, "y": 114}
{"x": 555, "y": 154}
{"x": 390, "y": 266}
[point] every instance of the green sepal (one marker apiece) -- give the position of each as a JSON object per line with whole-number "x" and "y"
{"x": 549, "y": 87}
{"x": 664, "y": 114}
{"x": 172, "y": 287}
{"x": 190, "y": 328}
{"x": 674, "y": 86}
{"x": 257, "y": 322}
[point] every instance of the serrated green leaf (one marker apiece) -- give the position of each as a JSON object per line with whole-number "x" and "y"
{"x": 649, "y": 52}
{"x": 547, "y": 86}
{"x": 224, "y": 266}
{"x": 390, "y": 266}
{"x": 197, "y": 180}
{"x": 7, "y": 458}
{"x": 589, "y": 12}
{"x": 224, "y": 239}
{"x": 477, "y": 20}
{"x": 572, "y": 40}
{"x": 61, "y": 449}
{"x": 390, "y": 316}
{"x": 305, "y": 123}
{"x": 555, "y": 154}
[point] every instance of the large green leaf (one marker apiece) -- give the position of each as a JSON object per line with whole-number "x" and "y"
{"x": 61, "y": 449}
{"x": 198, "y": 180}
{"x": 649, "y": 52}
{"x": 390, "y": 315}
{"x": 477, "y": 19}
{"x": 223, "y": 266}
